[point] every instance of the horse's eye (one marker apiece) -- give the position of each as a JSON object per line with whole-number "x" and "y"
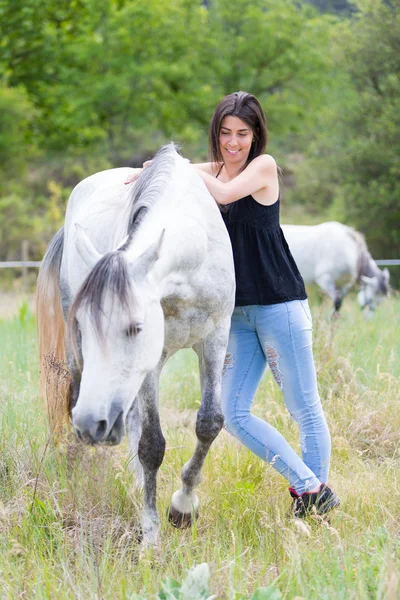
{"x": 133, "y": 330}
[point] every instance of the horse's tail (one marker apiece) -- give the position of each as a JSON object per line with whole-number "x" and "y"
{"x": 54, "y": 374}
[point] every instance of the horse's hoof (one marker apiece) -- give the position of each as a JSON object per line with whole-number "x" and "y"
{"x": 181, "y": 520}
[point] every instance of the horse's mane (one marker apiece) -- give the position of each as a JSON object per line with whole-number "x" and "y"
{"x": 365, "y": 263}
{"x": 149, "y": 187}
{"x": 364, "y": 258}
{"x": 111, "y": 271}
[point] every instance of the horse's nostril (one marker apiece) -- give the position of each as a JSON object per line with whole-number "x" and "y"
{"x": 101, "y": 430}
{"x": 117, "y": 430}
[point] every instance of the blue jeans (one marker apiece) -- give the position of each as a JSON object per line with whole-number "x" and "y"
{"x": 279, "y": 335}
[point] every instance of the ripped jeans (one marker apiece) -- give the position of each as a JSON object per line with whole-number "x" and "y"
{"x": 279, "y": 335}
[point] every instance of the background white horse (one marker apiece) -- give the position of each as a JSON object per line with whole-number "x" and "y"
{"x": 336, "y": 257}
{"x": 140, "y": 272}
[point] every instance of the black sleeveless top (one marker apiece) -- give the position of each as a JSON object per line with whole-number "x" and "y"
{"x": 265, "y": 270}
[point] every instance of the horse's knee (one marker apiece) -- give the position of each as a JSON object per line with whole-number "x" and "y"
{"x": 151, "y": 450}
{"x": 208, "y": 425}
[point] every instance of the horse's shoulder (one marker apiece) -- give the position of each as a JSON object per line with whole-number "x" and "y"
{"x": 103, "y": 177}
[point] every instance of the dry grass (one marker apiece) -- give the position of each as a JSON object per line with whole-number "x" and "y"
{"x": 69, "y": 514}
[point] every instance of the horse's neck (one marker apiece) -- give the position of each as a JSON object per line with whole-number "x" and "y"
{"x": 181, "y": 251}
{"x": 367, "y": 265}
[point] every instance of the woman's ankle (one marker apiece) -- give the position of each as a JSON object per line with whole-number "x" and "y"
{"x": 315, "y": 489}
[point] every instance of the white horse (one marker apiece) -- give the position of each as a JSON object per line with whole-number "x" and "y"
{"x": 328, "y": 252}
{"x": 139, "y": 273}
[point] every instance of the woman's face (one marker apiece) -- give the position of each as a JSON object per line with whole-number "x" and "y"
{"x": 235, "y": 139}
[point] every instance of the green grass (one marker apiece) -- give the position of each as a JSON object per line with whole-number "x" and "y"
{"x": 69, "y": 516}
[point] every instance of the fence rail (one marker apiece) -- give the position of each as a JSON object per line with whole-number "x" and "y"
{"x": 36, "y": 263}
{"x": 389, "y": 262}
{"x": 15, "y": 264}
{"x": 25, "y": 264}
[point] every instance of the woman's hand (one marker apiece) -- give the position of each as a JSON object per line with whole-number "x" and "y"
{"x": 133, "y": 177}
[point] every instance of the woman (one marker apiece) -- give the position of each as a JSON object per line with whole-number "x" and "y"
{"x": 271, "y": 322}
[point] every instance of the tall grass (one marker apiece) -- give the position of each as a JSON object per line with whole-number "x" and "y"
{"x": 69, "y": 515}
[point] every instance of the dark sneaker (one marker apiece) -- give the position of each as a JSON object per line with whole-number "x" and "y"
{"x": 313, "y": 503}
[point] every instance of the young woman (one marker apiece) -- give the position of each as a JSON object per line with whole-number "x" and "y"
{"x": 271, "y": 324}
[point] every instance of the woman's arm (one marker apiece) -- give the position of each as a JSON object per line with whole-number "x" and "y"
{"x": 138, "y": 170}
{"x": 259, "y": 174}
{"x": 208, "y": 167}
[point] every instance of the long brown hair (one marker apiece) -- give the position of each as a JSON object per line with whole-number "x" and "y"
{"x": 246, "y": 107}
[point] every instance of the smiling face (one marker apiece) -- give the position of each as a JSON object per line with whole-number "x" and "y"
{"x": 235, "y": 140}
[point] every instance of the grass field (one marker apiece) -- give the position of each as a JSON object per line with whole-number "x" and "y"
{"x": 69, "y": 514}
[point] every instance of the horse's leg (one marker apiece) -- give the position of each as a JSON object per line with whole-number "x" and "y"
{"x": 134, "y": 431}
{"x": 151, "y": 450}
{"x": 211, "y": 352}
{"x": 345, "y": 289}
{"x": 328, "y": 286}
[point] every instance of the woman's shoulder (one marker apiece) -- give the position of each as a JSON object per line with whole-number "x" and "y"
{"x": 265, "y": 161}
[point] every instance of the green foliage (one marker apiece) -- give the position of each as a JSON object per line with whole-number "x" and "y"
{"x": 15, "y": 222}
{"x": 25, "y": 217}
{"x": 87, "y": 85}
{"x": 101, "y": 71}
{"x": 267, "y": 593}
{"x": 352, "y": 171}
{"x": 98, "y": 82}
{"x": 276, "y": 51}
{"x": 341, "y": 7}
{"x": 194, "y": 587}
{"x": 16, "y": 115}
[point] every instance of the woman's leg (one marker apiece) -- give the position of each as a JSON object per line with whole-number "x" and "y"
{"x": 244, "y": 367}
{"x": 285, "y": 334}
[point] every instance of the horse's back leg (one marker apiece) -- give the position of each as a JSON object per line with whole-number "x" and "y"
{"x": 151, "y": 450}
{"x": 211, "y": 352}
{"x": 328, "y": 286}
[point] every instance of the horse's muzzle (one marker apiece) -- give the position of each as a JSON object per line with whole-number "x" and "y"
{"x": 93, "y": 431}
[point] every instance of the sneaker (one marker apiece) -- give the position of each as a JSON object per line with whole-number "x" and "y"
{"x": 313, "y": 502}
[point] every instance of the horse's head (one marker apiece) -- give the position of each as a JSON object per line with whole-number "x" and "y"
{"x": 118, "y": 323}
{"x": 373, "y": 289}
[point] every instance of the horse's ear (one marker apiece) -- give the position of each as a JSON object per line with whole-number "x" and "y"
{"x": 144, "y": 263}
{"x": 87, "y": 251}
{"x": 366, "y": 279}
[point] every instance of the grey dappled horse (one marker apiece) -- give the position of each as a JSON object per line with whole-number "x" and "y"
{"x": 140, "y": 272}
{"x": 330, "y": 251}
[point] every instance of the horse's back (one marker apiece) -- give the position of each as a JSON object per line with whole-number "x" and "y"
{"x": 328, "y": 247}
{"x": 100, "y": 193}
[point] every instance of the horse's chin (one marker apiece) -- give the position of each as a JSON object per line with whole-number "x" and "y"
{"x": 113, "y": 439}
{"x": 94, "y": 436}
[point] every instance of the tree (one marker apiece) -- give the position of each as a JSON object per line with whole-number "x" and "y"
{"x": 92, "y": 83}
{"x": 354, "y": 163}
{"x": 102, "y": 72}
{"x": 16, "y": 147}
